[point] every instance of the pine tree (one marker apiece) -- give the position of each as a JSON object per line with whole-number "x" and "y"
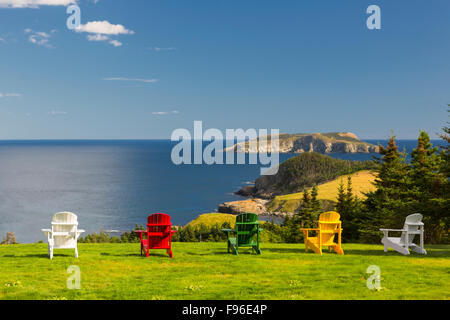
{"x": 390, "y": 203}
{"x": 314, "y": 202}
{"x": 425, "y": 168}
{"x": 429, "y": 187}
{"x": 309, "y": 210}
{"x": 446, "y": 149}
{"x": 445, "y": 169}
{"x": 306, "y": 198}
{"x": 340, "y": 205}
{"x": 349, "y": 194}
{"x": 349, "y": 207}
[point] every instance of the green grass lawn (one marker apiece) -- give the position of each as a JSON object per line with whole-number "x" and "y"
{"x": 206, "y": 271}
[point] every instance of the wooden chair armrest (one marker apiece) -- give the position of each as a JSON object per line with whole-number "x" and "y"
{"x": 398, "y": 230}
{"x": 48, "y": 233}
{"x": 306, "y": 231}
{"x": 140, "y": 233}
{"x": 386, "y": 231}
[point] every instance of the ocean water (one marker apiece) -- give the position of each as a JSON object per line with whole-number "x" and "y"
{"x": 113, "y": 184}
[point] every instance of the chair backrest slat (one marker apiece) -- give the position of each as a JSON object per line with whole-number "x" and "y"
{"x": 246, "y": 227}
{"x": 159, "y": 222}
{"x": 66, "y": 222}
{"x": 412, "y": 218}
{"x": 329, "y": 221}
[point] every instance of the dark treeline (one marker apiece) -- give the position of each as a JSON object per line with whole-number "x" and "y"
{"x": 308, "y": 169}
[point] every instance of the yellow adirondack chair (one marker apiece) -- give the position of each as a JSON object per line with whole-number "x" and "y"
{"x": 329, "y": 226}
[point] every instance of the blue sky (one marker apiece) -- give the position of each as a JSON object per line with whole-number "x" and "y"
{"x": 300, "y": 66}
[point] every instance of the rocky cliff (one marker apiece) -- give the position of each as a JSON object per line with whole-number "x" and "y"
{"x": 335, "y": 142}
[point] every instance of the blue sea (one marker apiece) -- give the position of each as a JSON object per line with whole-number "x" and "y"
{"x": 114, "y": 184}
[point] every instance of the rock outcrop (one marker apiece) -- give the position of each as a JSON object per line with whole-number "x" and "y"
{"x": 336, "y": 142}
{"x": 257, "y": 206}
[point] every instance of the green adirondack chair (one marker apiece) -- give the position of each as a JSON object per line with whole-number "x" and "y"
{"x": 247, "y": 233}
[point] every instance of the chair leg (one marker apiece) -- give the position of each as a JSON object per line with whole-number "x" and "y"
{"x": 385, "y": 248}
{"x": 76, "y": 252}
{"x": 51, "y": 253}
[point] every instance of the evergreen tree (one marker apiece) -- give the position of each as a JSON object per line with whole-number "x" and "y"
{"x": 390, "y": 203}
{"x": 314, "y": 202}
{"x": 340, "y": 205}
{"x": 445, "y": 155}
{"x": 349, "y": 194}
{"x": 350, "y": 208}
{"x": 429, "y": 190}
{"x": 309, "y": 209}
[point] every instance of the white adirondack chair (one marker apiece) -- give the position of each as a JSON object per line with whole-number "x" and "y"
{"x": 413, "y": 225}
{"x": 64, "y": 233}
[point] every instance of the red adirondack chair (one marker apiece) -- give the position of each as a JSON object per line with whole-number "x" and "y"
{"x": 159, "y": 234}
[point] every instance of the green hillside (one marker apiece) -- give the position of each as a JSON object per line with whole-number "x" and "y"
{"x": 211, "y": 219}
{"x": 304, "y": 171}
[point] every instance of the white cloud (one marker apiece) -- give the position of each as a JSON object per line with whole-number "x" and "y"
{"x": 10, "y": 95}
{"x": 57, "y": 112}
{"x": 97, "y": 37}
{"x": 33, "y": 3}
{"x": 131, "y": 79}
{"x": 102, "y": 30}
{"x": 103, "y": 27}
{"x": 165, "y": 113}
{"x": 164, "y": 49}
{"x": 115, "y": 43}
{"x": 39, "y": 38}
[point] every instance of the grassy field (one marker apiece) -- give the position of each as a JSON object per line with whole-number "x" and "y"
{"x": 361, "y": 182}
{"x": 205, "y": 271}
